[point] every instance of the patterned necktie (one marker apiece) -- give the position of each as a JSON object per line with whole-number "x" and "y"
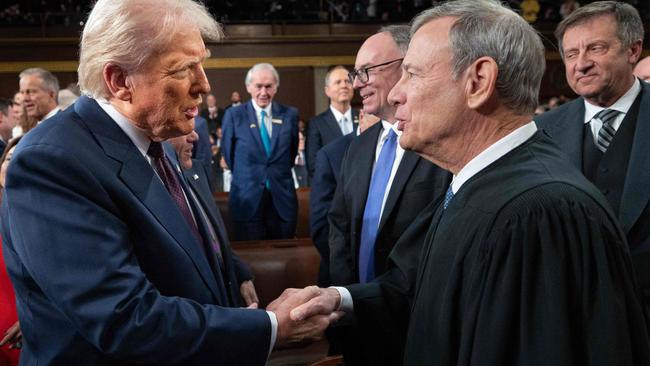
{"x": 264, "y": 134}
{"x": 606, "y": 132}
{"x": 171, "y": 182}
{"x": 448, "y": 196}
{"x": 372, "y": 212}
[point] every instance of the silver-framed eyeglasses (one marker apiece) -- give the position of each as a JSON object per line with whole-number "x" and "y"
{"x": 363, "y": 75}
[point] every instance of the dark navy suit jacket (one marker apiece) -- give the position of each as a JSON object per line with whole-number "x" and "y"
{"x": 328, "y": 168}
{"x": 244, "y": 153}
{"x": 105, "y": 268}
{"x": 322, "y": 130}
{"x": 202, "y": 150}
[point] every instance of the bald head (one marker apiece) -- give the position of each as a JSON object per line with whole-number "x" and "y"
{"x": 642, "y": 69}
{"x": 379, "y": 49}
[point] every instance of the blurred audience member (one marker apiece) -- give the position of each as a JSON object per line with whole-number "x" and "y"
{"x": 529, "y": 10}
{"x": 235, "y": 100}
{"x": 299, "y": 170}
{"x": 10, "y": 334}
{"x": 66, "y": 98}
{"x": 212, "y": 113}
{"x": 642, "y": 69}
{"x": 7, "y": 122}
{"x": 39, "y": 89}
{"x": 568, "y": 7}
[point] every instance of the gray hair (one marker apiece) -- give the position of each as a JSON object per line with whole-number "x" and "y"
{"x": 629, "y": 27}
{"x": 262, "y": 66}
{"x": 400, "y": 34}
{"x": 50, "y": 82}
{"x": 330, "y": 71}
{"x": 487, "y": 28}
{"x": 129, "y": 32}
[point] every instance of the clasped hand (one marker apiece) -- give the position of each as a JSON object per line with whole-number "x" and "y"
{"x": 304, "y": 314}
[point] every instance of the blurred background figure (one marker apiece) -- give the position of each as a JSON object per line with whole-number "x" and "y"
{"x": 212, "y": 114}
{"x": 235, "y": 100}
{"x": 642, "y": 69}
{"x": 7, "y": 122}
{"x": 66, "y": 98}
{"x": 10, "y": 335}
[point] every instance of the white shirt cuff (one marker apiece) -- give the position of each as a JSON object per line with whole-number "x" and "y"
{"x": 274, "y": 330}
{"x": 346, "y": 305}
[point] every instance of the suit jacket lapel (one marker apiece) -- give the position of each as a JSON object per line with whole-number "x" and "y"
{"x": 251, "y": 121}
{"x": 406, "y": 167}
{"x": 332, "y": 125}
{"x": 636, "y": 192}
{"x": 569, "y": 133}
{"x": 368, "y": 146}
{"x": 276, "y": 128}
{"x": 139, "y": 177}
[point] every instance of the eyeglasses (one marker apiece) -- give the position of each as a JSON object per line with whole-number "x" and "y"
{"x": 362, "y": 74}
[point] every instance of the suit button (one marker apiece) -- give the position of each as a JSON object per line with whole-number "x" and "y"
{"x": 604, "y": 170}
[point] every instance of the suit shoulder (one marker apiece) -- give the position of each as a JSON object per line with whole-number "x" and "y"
{"x": 339, "y": 145}
{"x": 548, "y": 120}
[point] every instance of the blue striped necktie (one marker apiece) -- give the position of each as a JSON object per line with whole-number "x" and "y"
{"x": 372, "y": 212}
{"x": 448, "y": 196}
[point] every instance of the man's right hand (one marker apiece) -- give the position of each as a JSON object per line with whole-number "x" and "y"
{"x": 313, "y": 315}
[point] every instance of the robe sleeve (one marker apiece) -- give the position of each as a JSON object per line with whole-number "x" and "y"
{"x": 553, "y": 285}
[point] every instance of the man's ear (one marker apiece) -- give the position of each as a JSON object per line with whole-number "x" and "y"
{"x": 481, "y": 81}
{"x": 117, "y": 82}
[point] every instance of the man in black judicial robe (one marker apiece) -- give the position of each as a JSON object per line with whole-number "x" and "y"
{"x": 524, "y": 262}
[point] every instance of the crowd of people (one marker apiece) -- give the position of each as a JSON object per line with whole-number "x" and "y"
{"x": 459, "y": 219}
{"x": 73, "y": 12}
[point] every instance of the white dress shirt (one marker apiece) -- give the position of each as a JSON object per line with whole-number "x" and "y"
{"x": 267, "y": 121}
{"x": 622, "y": 105}
{"x": 345, "y": 126}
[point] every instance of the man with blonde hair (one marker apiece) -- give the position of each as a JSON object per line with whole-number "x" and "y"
{"x": 111, "y": 258}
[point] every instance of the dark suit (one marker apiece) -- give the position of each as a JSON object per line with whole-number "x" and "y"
{"x": 416, "y": 184}
{"x": 106, "y": 269}
{"x": 3, "y": 146}
{"x": 198, "y": 183}
{"x": 322, "y": 130}
{"x": 324, "y": 182}
{"x": 251, "y": 203}
{"x": 628, "y": 163}
{"x": 202, "y": 150}
{"x": 213, "y": 123}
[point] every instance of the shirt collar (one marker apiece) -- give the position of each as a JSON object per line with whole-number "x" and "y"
{"x": 139, "y": 138}
{"x": 493, "y": 153}
{"x": 622, "y": 105}
{"x": 338, "y": 115}
{"x": 50, "y": 113}
{"x": 258, "y": 109}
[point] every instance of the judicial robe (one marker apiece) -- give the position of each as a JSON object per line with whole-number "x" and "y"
{"x": 526, "y": 266}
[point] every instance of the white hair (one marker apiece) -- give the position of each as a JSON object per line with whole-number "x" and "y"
{"x": 129, "y": 32}
{"x": 262, "y": 66}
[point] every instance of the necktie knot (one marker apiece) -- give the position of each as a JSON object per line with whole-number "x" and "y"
{"x": 155, "y": 150}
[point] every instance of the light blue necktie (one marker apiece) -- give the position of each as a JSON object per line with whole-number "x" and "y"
{"x": 372, "y": 212}
{"x": 266, "y": 141}
{"x": 448, "y": 196}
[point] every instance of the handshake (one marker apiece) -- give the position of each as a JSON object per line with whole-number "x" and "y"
{"x": 304, "y": 314}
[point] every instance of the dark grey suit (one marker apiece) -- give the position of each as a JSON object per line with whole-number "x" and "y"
{"x": 565, "y": 126}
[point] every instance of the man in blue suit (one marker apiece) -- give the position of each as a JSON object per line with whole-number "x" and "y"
{"x": 107, "y": 260}
{"x": 260, "y": 143}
